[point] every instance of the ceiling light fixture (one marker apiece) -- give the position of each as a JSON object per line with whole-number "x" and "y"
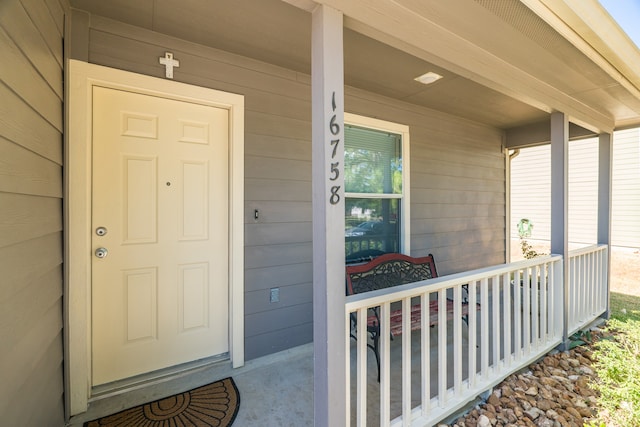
{"x": 428, "y": 78}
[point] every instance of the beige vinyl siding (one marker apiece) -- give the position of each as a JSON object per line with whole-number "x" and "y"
{"x": 625, "y": 227}
{"x": 31, "y": 123}
{"x": 531, "y": 191}
{"x": 583, "y": 191}
{"x": 531, "y": 186}
{"x": 457, "y": 174}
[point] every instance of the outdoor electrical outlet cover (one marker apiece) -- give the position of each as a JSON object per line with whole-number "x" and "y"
{"x": 275, "y": 295}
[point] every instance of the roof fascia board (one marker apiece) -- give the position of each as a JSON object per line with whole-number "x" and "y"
{"x": 395, "y": 25}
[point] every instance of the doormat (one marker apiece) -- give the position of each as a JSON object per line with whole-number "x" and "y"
{"x": 213, "y": 405}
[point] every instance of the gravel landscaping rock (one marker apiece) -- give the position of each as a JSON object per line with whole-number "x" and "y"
{"x": 551, "y": 393}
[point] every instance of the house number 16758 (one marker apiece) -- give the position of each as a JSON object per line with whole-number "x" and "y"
{"x": 334, "y": 171}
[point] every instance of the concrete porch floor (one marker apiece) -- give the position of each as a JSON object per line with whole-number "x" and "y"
{"x": 277, "y": 390}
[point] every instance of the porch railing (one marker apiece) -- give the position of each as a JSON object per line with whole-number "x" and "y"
{"x": 588, "y": 294}
{"x": 433, "y": 372}
{"x": 515, "y": 317}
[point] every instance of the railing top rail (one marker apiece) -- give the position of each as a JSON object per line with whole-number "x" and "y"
{"x": 373, "y": 298}
{"x": 588, "y": 250}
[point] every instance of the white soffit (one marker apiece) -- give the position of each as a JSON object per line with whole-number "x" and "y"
{"x": 479, "y": 46}
{"x": 588, "y": 26}
{"x": 453, "y": 35}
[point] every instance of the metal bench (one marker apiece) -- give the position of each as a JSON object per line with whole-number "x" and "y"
{"x": 390, "y": 270}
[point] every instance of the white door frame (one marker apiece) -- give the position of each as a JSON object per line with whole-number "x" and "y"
{"x": 77, "y": 206}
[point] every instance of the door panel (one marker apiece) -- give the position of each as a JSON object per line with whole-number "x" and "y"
{"x": 160, "y": 188}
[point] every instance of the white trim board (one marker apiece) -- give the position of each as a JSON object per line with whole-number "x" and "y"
{"x": 77, "y": 193}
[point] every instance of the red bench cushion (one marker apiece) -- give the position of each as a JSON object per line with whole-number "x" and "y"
{"x": 416, "y": 313}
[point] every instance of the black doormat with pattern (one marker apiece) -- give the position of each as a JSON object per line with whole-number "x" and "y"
{"x": 213, "y": 405}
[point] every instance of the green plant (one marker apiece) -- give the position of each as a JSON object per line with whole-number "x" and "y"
{"x": 594, "y": 423}
{"x": 617, "y": 364}
{"x": 580, "y": 338}
{"x": 527, "y": 250}
{"x": 525, "y": 228}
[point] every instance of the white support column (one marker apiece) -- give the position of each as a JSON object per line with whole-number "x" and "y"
{"x": 507, "y": 192}
{"x": 605, "y": 160}
{"x": 329, "y": 344}
{"x": 560, "y": 206}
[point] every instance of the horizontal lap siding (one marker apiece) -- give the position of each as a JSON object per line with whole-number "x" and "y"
{"x": 31, "y": 118}
{"x": 625, "y": 227}
{"x": 531, "y": 186}
{"x": 531, "y": 191}
{"x": 460, "y": 220}
{"x": 457, "y": 184}
{"x": 583, "y": 191}
{"x": 278, "y": 246}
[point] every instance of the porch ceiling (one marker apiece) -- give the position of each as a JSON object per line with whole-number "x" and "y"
{"x": 503, "y": 64}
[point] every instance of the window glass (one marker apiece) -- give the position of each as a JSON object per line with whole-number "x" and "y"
{"x": 373, "y": 161}
{"x": 372, "y": 226}
{"x": 373, "y": 199}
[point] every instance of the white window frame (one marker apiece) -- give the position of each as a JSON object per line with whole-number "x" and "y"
{"x": 403, "y": 131}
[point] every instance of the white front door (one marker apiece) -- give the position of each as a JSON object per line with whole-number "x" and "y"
{"x": 160, "y": 294}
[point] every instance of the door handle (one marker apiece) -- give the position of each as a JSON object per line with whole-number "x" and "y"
{"x": 102, "y": 252}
